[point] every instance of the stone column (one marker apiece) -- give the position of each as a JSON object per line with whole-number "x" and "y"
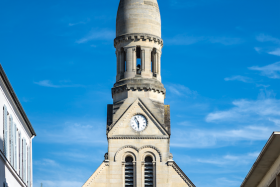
{"x": 134, "y": 174}
{"x": 146, "y": 63}
{"x": 120, "y": 63}
{"x": 129, "y": 63}
{"x": 143, "y": 59}
{"x": 159, "y": 65}
{"x": 154, "y": 174}
{"x": 134, "y": 59}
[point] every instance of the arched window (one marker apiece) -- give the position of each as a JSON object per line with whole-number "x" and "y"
{"x": 129, "y": 172}
{"x": 149, "y": 172}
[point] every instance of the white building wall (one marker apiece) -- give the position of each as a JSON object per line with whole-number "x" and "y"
{"x": 11, "y": 174}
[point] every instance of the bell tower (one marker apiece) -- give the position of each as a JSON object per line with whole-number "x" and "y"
{"x": 138, "y": 46}
{"x": 138, "y": 122}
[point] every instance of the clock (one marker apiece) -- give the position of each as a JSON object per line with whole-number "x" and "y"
{"x": 138, "y": 122}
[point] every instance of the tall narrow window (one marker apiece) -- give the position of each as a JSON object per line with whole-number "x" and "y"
{"x": 19, "y": 157}
{"x": 149, "y": 172}
{"x": 15, "y": 147}
{"x": 11, "y": 142}
{"x": 5, "y": 148}
{"x": 129, "y": 172}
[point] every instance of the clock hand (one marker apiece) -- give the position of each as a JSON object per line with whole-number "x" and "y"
{"x": 137, "y": 122}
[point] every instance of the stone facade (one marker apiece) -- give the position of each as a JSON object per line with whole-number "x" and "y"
{"x": 138, "y": 158}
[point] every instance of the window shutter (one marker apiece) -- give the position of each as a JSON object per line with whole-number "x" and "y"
{"x": 15, "y": 140}
{"x": 20, "y": 155}
{"x": 5, "y": 113}
{"x": 29, "y": 164}
{"x": 11, "y": 141}
{"x": 24, "y": 161}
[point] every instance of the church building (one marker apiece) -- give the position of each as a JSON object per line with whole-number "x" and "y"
{"x": 138, "y": 121}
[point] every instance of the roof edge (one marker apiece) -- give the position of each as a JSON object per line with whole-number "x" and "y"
{"x": 16, "y": 100}
{"x": 260, "y": 156}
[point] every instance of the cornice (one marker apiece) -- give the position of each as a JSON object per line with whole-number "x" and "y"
{"x": 138, "y": 37}
{"x": 148, "y": 87}
{"x": 181, "y": 173}
{"x": 138, "y": 137}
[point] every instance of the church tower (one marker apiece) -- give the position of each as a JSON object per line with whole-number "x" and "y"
{"x": 138, "y": 121}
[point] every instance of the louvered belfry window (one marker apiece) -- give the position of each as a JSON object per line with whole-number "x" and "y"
{"x": 129, "y": 172}
{"x": 149, "y": 172}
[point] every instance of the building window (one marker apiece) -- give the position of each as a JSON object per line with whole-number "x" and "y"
{"x": 5, "y": 131}
{"x": 129, "y": 172}
{"x": 149, "y": 172}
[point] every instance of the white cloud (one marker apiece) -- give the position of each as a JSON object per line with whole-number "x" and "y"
{"x": 205, "y": 138}
{"x": 62, "y": 183}
{"x": 275, "y": 121}
{"x": 229, "y": 159}
{"x": 181, "y": 90}
{"x": 267, "y": 38}
{"x": 185, "y": 39}
{"x": 48, "y": 83}
{"x": 258, "y": 49}
{"x": 245, "y": 110}
{"x": 225, "y": 40}
{"x": 238, "y": 78}
{"x": 79, "y": 23}
{"x": 46, "y": 162}
{"x": 98, "y": 35}
{"x": 275, "y": 52}
{"x": 88, "y": 133}
{"x": 272, "y": 70}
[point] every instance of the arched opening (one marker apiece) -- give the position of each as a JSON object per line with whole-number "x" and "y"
{"x": 149, "y": 172}
{"x": 129, "y": 172}
{"x": 138, "y": 60}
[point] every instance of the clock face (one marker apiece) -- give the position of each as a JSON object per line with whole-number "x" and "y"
{"x": 138, "y": 122}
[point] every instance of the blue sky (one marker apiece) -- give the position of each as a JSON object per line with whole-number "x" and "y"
{"x": 221, "y": 68}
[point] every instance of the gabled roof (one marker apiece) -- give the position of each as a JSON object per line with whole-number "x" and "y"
{"x": 15, "y": 99}
{"x": 267, "y": 157}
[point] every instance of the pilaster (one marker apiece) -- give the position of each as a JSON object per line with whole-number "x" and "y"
{"x": 130, "y": 60}
{"x": 146, "y": 62}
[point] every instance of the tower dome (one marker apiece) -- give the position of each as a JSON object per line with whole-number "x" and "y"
{"x": 138, "y": 16}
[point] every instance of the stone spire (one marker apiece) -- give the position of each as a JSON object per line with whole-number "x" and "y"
{"x": 138, "y": 46}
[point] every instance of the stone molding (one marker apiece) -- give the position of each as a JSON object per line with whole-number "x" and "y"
{"x": 181, "y": 173}
{"x": 148, "y": 87}
{"x": 137, "y": 37}
{"x": 138, "y": 150}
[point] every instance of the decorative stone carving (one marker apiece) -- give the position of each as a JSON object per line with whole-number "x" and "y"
{"x": 170, "y": 156}
{"x": 106, "y": 156}
{"x": 138, "y": 36}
